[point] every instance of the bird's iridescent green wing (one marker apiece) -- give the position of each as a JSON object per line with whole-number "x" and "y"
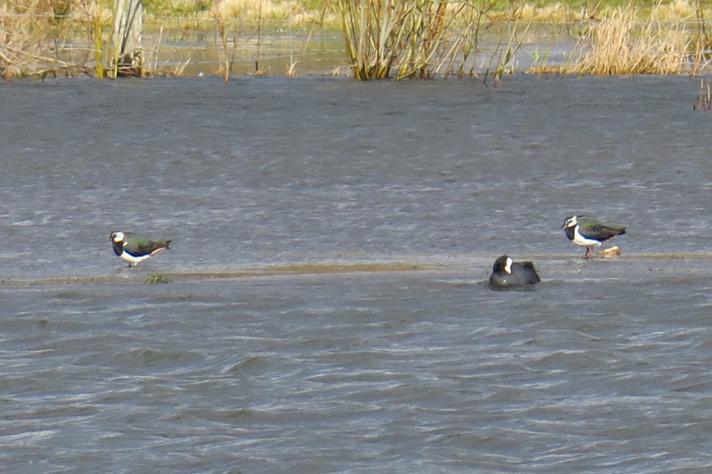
{"x": 593, "y": 229}
{"x": 139, "y": 246}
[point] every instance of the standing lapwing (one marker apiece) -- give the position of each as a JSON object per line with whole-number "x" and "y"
{"x": 506, "y": 274}
{"x": 588, "y": 232}
{"x": 135, "y": 249}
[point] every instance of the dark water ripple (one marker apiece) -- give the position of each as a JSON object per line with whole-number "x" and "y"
{"x": 360, "y": 373}
{"x": 604, "y": 368}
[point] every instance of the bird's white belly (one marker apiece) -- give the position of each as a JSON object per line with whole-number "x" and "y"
{"x": 133, "y": 260}
{"x": 583, "y": 241}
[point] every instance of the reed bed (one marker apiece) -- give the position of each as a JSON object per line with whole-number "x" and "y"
{"x": 620, "y": 44}
{"x": 624, "y": 42}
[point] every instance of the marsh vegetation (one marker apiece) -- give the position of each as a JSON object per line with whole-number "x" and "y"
{"x": 381, "y": 38}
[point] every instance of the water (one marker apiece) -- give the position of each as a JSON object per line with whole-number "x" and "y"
{"x": 604, "y": 368}
{"x": 274, "y": 54}
{"x": 280, "y": 52}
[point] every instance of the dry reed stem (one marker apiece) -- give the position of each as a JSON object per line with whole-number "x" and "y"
{"x": 225, "y": 56}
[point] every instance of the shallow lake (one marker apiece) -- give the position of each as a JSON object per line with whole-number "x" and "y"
{"x": 229, "y": 367}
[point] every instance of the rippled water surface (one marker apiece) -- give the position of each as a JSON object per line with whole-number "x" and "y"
{"x": 229, "y": 367}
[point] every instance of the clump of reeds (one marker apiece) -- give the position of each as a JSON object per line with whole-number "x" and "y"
{"x": 622, "y": 44}
{"x": 387, "y": 38}
{"x": 425, "y": 38}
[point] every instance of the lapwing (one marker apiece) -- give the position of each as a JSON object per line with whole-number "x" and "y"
{"x": 588, "y": 232}
{"x": 507, "y": 273}
{"x": 135, "y": 249}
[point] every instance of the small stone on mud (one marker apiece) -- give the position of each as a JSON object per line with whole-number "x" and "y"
{"x": 611, "y": 252}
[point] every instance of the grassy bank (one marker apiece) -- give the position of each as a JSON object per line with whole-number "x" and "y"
{"x": 305, "y": 14}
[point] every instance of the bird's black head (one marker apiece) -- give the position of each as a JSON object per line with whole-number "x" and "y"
{"x": 118, "y": 242}
{"x": 570, "y": 221}
{"x": 503, "y": 264}
{"x": 117, "y": 237}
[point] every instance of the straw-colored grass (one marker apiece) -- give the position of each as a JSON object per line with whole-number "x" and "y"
{"x": 674, "y": 12}
{"x": 556, "y": 12}
{"x": 282, "y": 14}
{"x": 620, "y": 44}
{"x": 33, "y": 39}
{"x": 266, "y": 9}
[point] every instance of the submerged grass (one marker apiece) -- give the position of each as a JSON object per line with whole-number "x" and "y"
{"x": 157, "y": 278}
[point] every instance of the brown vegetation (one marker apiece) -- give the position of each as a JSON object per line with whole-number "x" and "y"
{"x": 623, "y": 41}
{"x": 39, "y": 38}
{"x": 619, "y": 44}
{"x": 421, "y": 39}
{"x": 385, "y": 37}
{"x": 33, "y": 40}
